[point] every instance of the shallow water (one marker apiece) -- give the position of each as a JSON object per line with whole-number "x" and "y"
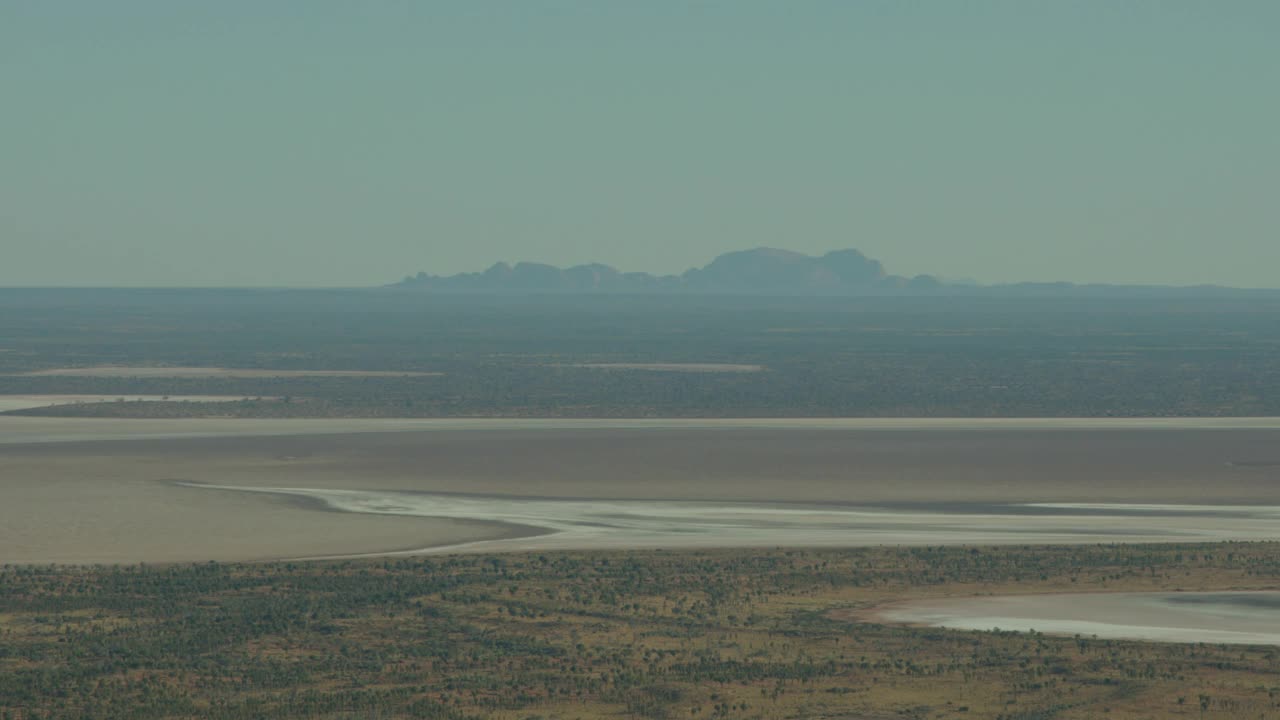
{"x": 586, "y": 524}
{"x": 1248, "y": 618}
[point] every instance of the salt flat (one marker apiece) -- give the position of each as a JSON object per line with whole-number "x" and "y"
{"x": 1251, "y": 618}
{"x": 90, "y": 490}
{"x": 567, "y": 524}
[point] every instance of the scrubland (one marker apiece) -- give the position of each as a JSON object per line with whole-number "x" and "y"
{"x": 712, "y": 634}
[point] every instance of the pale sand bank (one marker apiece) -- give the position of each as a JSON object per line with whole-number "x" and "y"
{"x": 120, "y": 371}
{"x": 1251, "y": 618}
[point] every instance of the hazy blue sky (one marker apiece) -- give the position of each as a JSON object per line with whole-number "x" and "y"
{"x": 262, "y": 142}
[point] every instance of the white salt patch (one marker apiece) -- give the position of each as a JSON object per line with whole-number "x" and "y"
{"x": 1225, "y": 617}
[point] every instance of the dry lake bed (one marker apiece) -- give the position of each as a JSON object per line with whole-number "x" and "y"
{"x": 90, "y": 490}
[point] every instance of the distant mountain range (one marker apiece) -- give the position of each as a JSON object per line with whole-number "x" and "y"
{"x": 769, "y": 271}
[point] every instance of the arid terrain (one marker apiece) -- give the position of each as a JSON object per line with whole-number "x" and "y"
{"x": 831, "y": 460}
{"x": 774, "y": 634}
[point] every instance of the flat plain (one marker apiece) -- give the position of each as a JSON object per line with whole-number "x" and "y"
{"x": 1111, "y": 446}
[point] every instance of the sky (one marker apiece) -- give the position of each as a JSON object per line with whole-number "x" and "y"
{"x": 338, "y": 143}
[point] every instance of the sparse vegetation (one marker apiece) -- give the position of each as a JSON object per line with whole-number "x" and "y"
{"x": 719, "y": 634}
